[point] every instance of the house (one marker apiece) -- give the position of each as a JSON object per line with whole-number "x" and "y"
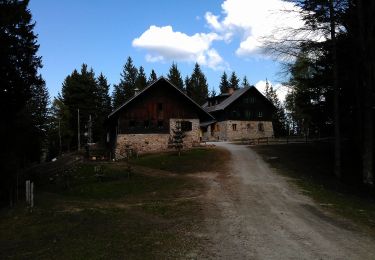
{"x": 240, "y": 114}
{"x": 145, "y": 123}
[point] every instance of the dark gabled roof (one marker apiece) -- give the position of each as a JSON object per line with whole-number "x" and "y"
{"x": 226, "y": 102}
{"x": 209, "y": 116}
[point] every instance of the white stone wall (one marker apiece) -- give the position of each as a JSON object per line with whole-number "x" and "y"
{"x": 148, "y": 143}
{"x": 244, "y": 129}
{"x": 141, "y": 143}
{"x": 192, "y": 136}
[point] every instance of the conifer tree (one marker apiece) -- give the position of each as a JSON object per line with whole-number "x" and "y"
{"x": 23, "y": 96}
{"x": 234, "y": 81}
{"x": 80, "y": 90}
{"x": 224, "y": 83}
{"x": 245, "y": 83}
{"x": 174, "y": 76}
{"x": 279, "y": 120}
{"x": 197, "y": 87}
{"x": 178, "y": 138}
{"x": 141, "y": 81}
{"x": 152, "y": 77}
{"x": 125, "y": 89}
{"x": 213, "y": 92}
{"x": 104, "y": 107}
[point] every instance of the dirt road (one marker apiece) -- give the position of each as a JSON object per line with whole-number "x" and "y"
{"x": 253, "y": 213}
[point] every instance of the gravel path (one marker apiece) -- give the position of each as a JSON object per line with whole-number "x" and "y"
{"x": 253, "y": 213}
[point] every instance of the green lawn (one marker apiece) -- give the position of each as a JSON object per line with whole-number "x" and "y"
{"x": 145, "y": 216}
{"x": 310, "y": 167}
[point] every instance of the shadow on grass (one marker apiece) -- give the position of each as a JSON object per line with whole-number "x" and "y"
{"x": 112, "y": 217}
{"x": 190, "y": 161}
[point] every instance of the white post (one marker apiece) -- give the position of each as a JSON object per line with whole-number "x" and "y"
{"x": 32, "y": 195}
{"x": 27, "y": 191}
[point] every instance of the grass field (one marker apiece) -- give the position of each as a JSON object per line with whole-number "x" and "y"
{"x": 310, "y": 167}
{"x": 146, "y": 216}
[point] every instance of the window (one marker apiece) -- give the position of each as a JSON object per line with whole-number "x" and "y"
{"x": 160, "y": 107}
{"x": 246, "y": 100}
{"x": 252, "y": 100}
{"x": 186, "y": 126}
{"x": 160, "y": 124}
{"x": 234, "y": 127}
{"x": 248, "y": 114}
{"x": 234, "y": 113}
{"x": 260, "y": 127}
{"x": 260, "y": 114}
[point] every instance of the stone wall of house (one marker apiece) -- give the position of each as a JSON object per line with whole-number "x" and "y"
{"x": 243, "y": 129}
{"x": 191, "y": 137}
{"x": 148, "y": 143}
{"x": 141, "y": 143}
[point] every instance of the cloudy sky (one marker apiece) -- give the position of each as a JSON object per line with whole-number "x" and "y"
{"x": 219, "y": 35}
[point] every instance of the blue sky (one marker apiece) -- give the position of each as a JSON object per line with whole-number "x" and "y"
{"x": 220, "y": 35}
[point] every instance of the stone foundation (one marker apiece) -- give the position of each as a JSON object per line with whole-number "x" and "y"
{"x": 244, "y": 130}
{"x": 148, "y": 143}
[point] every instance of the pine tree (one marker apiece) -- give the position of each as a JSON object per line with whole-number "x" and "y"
{"x": 104, "y": 107}
{"x": 224, "y": 83}
{"x": 152, "y": 77}
{"x": 279, "y": 120}
{"x": 141, "y": 81}
{"x": 60, "y": 134}
{"x": 178, "y": 137}
{"x": 234, "y": 81}
{"x": 213, "y": 93}
{"x": 20, "y": 88}
{"x": 174, "y": 76}
{"x": 80, "y": 90}
{"x": 125, "y": 89}
{"x": 197, "y": 87}
{"x": 245, "y": 83}
{"x": 187, "y": 84}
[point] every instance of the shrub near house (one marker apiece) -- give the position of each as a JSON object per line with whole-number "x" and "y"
{"x": 145, "y": 123}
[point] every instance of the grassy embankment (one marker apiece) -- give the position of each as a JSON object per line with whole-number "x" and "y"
{"x": 152, "y": 214}
{"x": 311, "y": 168}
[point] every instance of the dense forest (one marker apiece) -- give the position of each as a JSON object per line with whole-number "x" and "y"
{"x": 332, "y": 80}
{"x": 331, "y": 94}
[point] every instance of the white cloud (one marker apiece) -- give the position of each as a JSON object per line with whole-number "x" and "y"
{"x": 254, "y": 22}
{"x": 281, "y": 90}
{"x": 162, "y": 43}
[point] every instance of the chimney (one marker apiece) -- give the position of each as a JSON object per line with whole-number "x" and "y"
{"x": 230, "y": 90}
{"x": 136, "y": 91}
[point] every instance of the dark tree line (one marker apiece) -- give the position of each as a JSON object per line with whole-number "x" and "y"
{"x": 23, "y": 96}
{"x": 83, "y": 95}
{"x": 332, "y": 81}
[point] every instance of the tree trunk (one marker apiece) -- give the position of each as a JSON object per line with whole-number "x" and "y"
{"x": 366, "y": 40}
{"x": 336, "y": 89}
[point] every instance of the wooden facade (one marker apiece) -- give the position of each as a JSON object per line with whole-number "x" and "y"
{"x": 250, "y": 106}
{"x": 244, "y": 113}
{"x": 153, "y": 110}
